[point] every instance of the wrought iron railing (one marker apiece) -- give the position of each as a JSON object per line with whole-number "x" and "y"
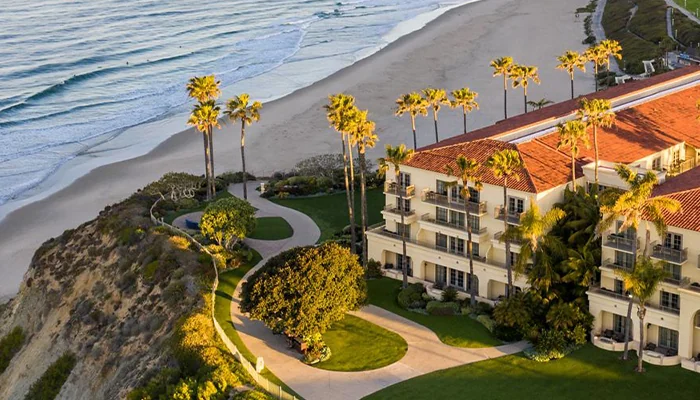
{"x": 403, "y": 191}
{"x": 431, "y": 197}
{"x": 676, "y": 256}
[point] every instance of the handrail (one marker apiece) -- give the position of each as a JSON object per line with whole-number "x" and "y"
{"x": 404, "y": 191}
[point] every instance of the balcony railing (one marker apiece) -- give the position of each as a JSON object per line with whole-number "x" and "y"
{"x": 667, "y": 309}
{"x": 382, "y": 231}
{"x": 620, "y": 242}
{"x": 513, "y": 217}
{"x": 456, "y": 204}
{"x": 499, "y": 235}
{"x": 454, "y": 225}
{"x": 669, "y": 254}
{"x": 615, "y": 264}
{"x": 608, "y": 293}
{"x": 404, "y": 191}
{"x": 398, "y": 211}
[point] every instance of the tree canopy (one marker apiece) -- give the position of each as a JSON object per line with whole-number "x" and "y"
{"x": 175, "y": 185}
{"x": 228, "y": 220}
{"x": 303, "y": 291}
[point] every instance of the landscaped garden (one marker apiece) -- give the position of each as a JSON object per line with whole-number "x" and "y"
{"x": 272, "y": 228}
{"x": 359, "y": 345}
{"x": 588, "y": 373}
{"x": 454, "y": 330}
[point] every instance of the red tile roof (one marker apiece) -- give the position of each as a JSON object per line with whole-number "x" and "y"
{"x": 686, "y": 189}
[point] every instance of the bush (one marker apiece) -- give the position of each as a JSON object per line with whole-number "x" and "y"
{"x": 49, "y": 384}
{"x": 412, "y": 296}
{"x": 10, "y": 345}
{"x": 486, "y": 321}
{"x": 484, "y": 308}
{"x": 441, "y": 308}
{"x": 449, "y": 294}
{"x": 374, "y": 269}
{"x": 507, "y": 333}
{"x": 230, "y": 177}
{"x": 466, "y": 310}
{"x": 251, "y": 395}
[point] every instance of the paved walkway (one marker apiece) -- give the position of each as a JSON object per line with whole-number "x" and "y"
{"x": 599, "y": 32}
{"x": 426, "y": 353}
{"x": 180, "y": 221}
{"x": 689, "y": 14}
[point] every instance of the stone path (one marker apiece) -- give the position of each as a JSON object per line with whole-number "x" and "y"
{"x": 426, "y": 353}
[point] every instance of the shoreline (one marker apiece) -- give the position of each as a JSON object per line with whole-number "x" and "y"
{"x": 294, "y": 127}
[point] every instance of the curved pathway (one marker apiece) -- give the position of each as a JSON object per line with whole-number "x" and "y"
{"x": 426, "y": 353}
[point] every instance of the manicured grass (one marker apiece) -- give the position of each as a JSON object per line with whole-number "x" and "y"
{"x": 458, "y": 330}
{"x": 272, "y": 228}
{"x": 588, "y": 373}
{"x": 170, "y": 217}
{"x": 359, "y": 345}
{"x": 330, "y": 212}
{"x": 228, "y": 281}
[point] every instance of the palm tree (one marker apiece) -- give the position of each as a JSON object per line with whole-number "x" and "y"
{"x": 569, "y": 62}
{"x": 338, "y": 111}
{"x": 539, "y": 104}
{"x": 239, "y": 109}
{"x": 505, "y": 165}
{"x": 522, "y": 75}
{"x": 570, "y": 133}
{"x": 436, "y": 98}
{"x": 202, "y": 89}
{"x": 395, "y": 156}
{"x": 412, "y": 104}
{"x": 466, "y": 99}
{"x": 611, "y": 48}
{"x": 468, "y": 171}
{"x": 204, "y": 117}
{"x": 596, "y": 113}
{"x": 642, "y": 283}
{"x": 631, "y": 206}
{"x": 363, "y": 137}
{"x": 502, "y": 67}
{"x": 599, "y": 57}
{"x": 667, "y": 45}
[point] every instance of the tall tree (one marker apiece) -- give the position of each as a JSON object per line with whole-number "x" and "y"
{"x": 642, "y": 283}
{"x": 502, "y": 67}
{"x": 362, "y": 135}
{"x": 240, "y": 109}
{"x": 436, "y": 98}
{"x": 570, "y": 62}
{"x": 338, "y": 110}
{"x": 522, "y": 75}
{"x": 467, "y": 171}
{"x": 203, "y": 89}
{"x": 599, "y": 57}
{"x": 667, "y": 45}
{"x": 597, "y": 113}
{"x": 395, "y": 156}
{"x": 505, "y": 165}
{"x": 632, "y": 206}
{"x": 539, "y": 104}
{"x": 412, "y": 104}
{"x": 611, "y": 48}
{"x": 204, "y": 117}
{"x": 466, "y": 99}
{"x": 570, "y": 134}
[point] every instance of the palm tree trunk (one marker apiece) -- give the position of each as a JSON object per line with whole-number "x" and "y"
{"x": 572, "y": 87}
{"x": 647, "y": 240}
{"x": 573, "y": 171}
{"x": 641, "y": 313}
{"x": 595, "y": 76}
{"x": 245, "y": 175}
{"x": 413, "y": 125}
{"x": 628, "y": 325}
{"x": 509, "y": 267}
{"x": 212, "y": 175}
{"x": 525, "y": 100}
{"x": 352, "y": 195}
{"x": 404, "y": 261}
{"x": 464, "y": 117}
{"x": 472, "y": 292}
{"x": 505, "y": 96}
{"x": 205, "y": 137}
{"x": 595, "y": 145}
{"x": 436, "y": 127}
{"x": 351, "y": 214}
{"x": 363, "y": 206}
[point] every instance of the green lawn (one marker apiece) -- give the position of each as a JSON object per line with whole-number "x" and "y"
{"x": 458, "y": 331}
{"x": 359, "y": 345}
{"x": 272, "y": 228}
{"x": 170, "y": 217}
{"x": 330, "y": 212}
{"x": 588, "y": 373}
{"x": 228, "y": 281}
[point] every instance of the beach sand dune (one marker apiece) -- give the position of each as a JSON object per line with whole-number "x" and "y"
{"x": 451, "y": 52}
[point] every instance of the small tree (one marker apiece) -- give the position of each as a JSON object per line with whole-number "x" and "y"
{"x": 228, "y": 220}
{"x": 303, "y": 291}
{"x": 175, "y": 185}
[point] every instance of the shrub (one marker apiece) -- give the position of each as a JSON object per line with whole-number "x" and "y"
{"x": 230, "y": 177}
{"x": 49, "y": 384}
{"x": 484, "y": 308}
{"x": 317, "y": 351}
{"x": 251, "y": 395}
{"x": 466, "y": 310}
{"x": 374, "y": 269}
{"x": 150, "y": 270}
{"x": 10, "y": 345}
{"x": 449, "y": 294}
{"x": 439, "y": 285}
{"x": 180, "y": 242}
{"x": 228, "y": 220}
{"x": 507, "y": 333}
{"x": 412, "y": 296}
{"x": 440, "y": 308}
{"x": 486, "y": 321}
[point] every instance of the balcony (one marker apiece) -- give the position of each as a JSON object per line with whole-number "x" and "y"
{"x": 405, "y": 192}
{"x": 454, "y": 225}
{"x": 669, "y": 254}
{"x": 617, "y": 265}
{"x": 437, "y": 199}
{"x": 516, "y": 241}
{"x": 513, "y": 218}
{"x": 620, "y": 242}
{"x": 393, "y": 209}
{"x": 608, "y": 293}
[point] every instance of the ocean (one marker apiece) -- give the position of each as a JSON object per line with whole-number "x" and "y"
{"x": 75, "y": 75}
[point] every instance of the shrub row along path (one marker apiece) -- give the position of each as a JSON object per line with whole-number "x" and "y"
{"x": 426, "y": 353}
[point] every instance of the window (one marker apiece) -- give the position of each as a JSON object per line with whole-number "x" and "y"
{"x": 441, "y": 188}
{"x": 456, "y": 194}
{"x": 627, "y": 234}
{"x": 456, "y": 245}
{"x": 515, "y": 205}
{"x": 473, "y": 280}
{"x": 474, "y": 223}
{"x": 474, "y": 195}
{"x": 670, "y": 301}
{"x": 441, "y": 241}
{"x": 697, "y": 320}
{"x": 456, "y": 278}
{"x": 399, "y": 264}
{"x": 624, "y": 260}
{"x": 475, "y": 249}
{"x": 673, "y": 241}
{"x": 405, "y": 180}
{"x": 441, "y": 214}
{"x": 403, "y": 230}
{"x": 674, "y": 270}
{"x": 404, "y": 204}
{"x": 457, "y": 218}
{"x": 619, "y": 287}
{"x": 656, "y": 164}
{"x": 440, "y": 274}
{"x": 514, "y": 258}
{"x": 668, "y": 338}
{"x": 619, "y": 323}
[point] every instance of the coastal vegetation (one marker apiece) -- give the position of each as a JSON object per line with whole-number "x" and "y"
{"x": 10, "y": 344}
{"x": 49, "y": 384}
{"x": 205, "y": 117}
{"x": 239, "y": 109}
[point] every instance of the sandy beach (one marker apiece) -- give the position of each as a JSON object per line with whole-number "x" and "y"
{"x": 451, "y": 52}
